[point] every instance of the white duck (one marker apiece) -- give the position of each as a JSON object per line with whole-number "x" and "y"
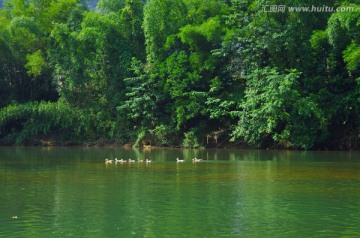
{"x": 195, "y": 160}
{"x": 120, "y": 160}
{"x": 108, "y": 161}
{"x": 179, "y": 160}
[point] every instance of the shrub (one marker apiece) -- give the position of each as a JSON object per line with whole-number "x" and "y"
{"x": 191, "y": 140}
{"x": 22, "y": 122}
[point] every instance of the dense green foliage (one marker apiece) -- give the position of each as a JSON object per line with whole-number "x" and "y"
{"x": 185, "y": 73}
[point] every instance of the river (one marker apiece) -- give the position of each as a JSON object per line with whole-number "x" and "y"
{"x": 71, "y": 192}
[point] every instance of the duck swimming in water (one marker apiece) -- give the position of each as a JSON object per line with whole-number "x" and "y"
{"x": 195, "y": 160}
{"x": 120, "y": 160}
{"x": 179, "y": 160}
{"x": 108, "y": 161}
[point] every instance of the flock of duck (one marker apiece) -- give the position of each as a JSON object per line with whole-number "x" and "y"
{"x": 122, "y": 161}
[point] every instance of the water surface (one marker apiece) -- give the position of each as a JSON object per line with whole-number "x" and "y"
{"x": 70, "y": 192}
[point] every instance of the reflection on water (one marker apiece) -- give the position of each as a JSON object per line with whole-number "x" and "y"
{"x": 70, "y": 192}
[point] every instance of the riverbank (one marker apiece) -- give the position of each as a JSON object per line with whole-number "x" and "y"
{"x": 56, "y": 140}
{"x": 116, "y": 144}
{"x": 42, "y": 141}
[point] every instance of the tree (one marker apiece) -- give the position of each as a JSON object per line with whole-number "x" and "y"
{"x": 274, "y": 108}
{"x": 162, "y": 19}
{"x": 131, "y": 20}
{"x": 141, "y": 105}
{"x": 110, "y": 5}
{"x": 91, "y": 63}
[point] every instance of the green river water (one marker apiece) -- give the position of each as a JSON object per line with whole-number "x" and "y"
{"x": 71, "y": 192}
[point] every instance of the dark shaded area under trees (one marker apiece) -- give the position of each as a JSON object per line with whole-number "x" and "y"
{"x": 180, "y": 73}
